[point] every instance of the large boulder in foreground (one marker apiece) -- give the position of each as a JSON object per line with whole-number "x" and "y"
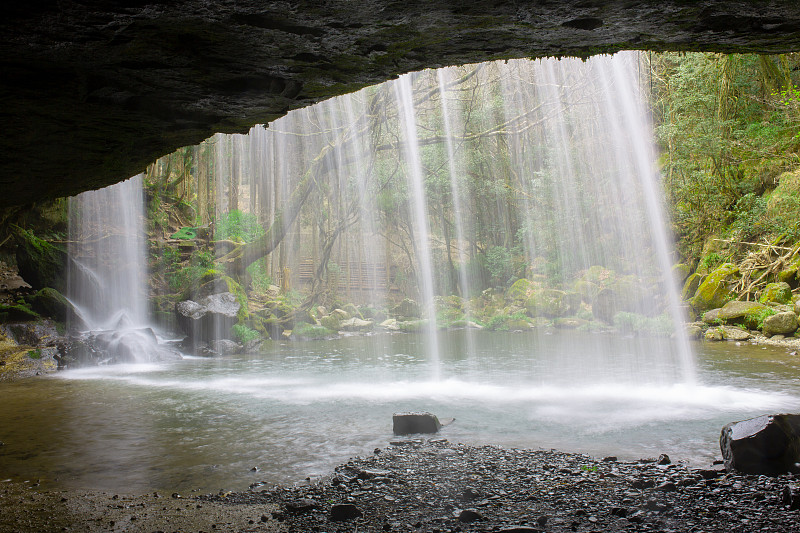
{"x": 780, "y": 324}
{"x": 765, "y": 445}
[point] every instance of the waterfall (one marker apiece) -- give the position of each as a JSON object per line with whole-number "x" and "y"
{"x": 107, "y": 281}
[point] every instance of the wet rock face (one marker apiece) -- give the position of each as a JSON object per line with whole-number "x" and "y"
{"x": 209, "y": 319}
{"x": 765, "y": 445}
{"x": 93, "y": 92}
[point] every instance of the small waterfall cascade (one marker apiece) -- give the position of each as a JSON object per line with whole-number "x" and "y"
{"x": 507, "y": 195}
{"x": 107, "y": 282}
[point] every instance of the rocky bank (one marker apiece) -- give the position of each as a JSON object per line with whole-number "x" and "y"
{"x": 437, "y": 486}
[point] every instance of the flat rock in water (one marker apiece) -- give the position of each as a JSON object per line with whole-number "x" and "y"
{"x": 408, "y": 423}
{"x": 765, "y": 445}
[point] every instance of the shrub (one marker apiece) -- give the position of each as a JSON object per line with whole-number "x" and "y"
{"x": 238, "y": 226}
{"x": 244, "y": 334}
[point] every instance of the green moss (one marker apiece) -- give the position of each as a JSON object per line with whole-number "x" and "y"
{"x": 306, "y": 331}
{"x": 35, "y": 354}
{"x": 715, "y": 291}
{"x": 244, "y": 334}
{"x": 779, "y": 292}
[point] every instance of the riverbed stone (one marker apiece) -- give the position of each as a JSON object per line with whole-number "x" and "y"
{"x": 765, "y": 445}
{"x": 780, "y": 324}
{"x": 416, "y": 422}
{"x": 408, "y": 308}
{"x": 733, "y": 333}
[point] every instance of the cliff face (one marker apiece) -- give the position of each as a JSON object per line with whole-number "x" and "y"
{"x": 93, "y": 91}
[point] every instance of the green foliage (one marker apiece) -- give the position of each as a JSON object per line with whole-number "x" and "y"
{"x": 755, "y": 320}
{"x": 238, "y": 226}
{"x": 503, "y": 322}
{"x": 182, "y": 276}
{"x": 710, "y": 262}
{"x": 185, "y": 234}
{"x": 728, "y": 126}
{"x": 306, "y": 331}
{"x": 633, "y": 323}
{"x": 244, "y": 334}
{"x": 500, "y": 264}
{"x": 35, "y": 354}
{"x": 259, "y": 276}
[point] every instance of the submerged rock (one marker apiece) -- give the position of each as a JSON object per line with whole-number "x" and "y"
{"x": 765, "y": 445}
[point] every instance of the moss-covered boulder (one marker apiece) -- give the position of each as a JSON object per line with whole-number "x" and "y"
{"x": 780, "y": 324}
{"x": 779, "y": 293}
{"x": 353, "y": 311}
{"x": 748, "y": 314}
{"x": 690, "y": 286}
{"x": 552, "y": 303}
{"x": 19, "y": 312}
{"x": 680, "y": 273}
{"x": 587, "y": 290}
{"x": 520, "y": 291}
{"x": 407, "y": 308}
{"x": 41, "y": 263}
{"x": 331, "y": 322}
{"x": 717, "y": 289}
{"x": 51, "y": 303}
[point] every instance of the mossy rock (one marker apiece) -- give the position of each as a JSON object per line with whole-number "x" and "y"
{"x": 690, "y": 286}
{"x": 780, "y": 324}
{"x": 681, "y": 272}
{"x": 407, "y": 308}
{"x": 40, "y": 263}
{"x": 304, "y": 331}
{"x": 552, "y": 303}
{"x": 412, "y": 326}
{"x": 17, "y": 313}
{"x": 330, "y": 322}
{"x": 716, "y": 289}
{"x": 520, "y": 291}
{"x": 779, "y": 293}
{"x": 587, "y": 290}
{"x": 353, "y": 311}
{"x": 747, "y": 314}
{"x": 51, "y": 303}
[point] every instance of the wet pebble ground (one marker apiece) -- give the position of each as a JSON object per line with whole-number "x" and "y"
{"x": 436, "y": 486}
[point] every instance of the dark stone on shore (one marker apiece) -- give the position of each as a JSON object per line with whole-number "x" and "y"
{"x": 304, "y": 505}
{"x": 765, "y": 445}
{"x": 408, "y": 423}
{"x": 663, "y": 459}
{"x": 469, "y": 515}
{"x": 344, "y": 511}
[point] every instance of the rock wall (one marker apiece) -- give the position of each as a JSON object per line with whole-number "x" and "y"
{"x": 93, "y": 91}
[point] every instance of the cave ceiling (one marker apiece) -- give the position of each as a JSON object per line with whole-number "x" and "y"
{"x": 93, "y": 91}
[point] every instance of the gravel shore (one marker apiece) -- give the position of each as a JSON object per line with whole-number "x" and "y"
{"x": 436, "y": 486}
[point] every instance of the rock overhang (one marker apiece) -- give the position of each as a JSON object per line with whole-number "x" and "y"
{"x": 92, "y": 92}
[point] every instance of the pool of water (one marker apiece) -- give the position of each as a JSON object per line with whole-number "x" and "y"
{"x": 298, "y": 409}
